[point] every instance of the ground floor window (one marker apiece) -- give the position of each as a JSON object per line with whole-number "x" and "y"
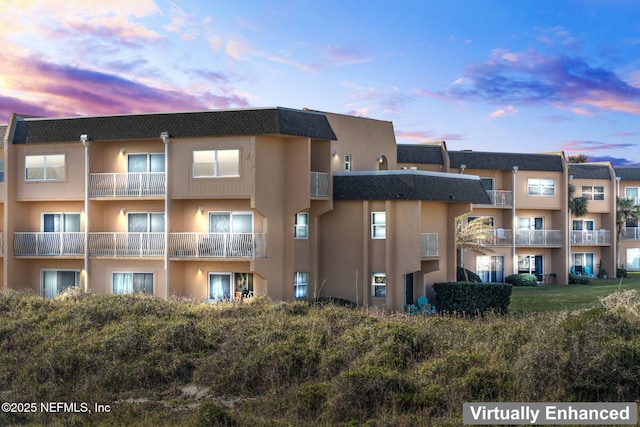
{"x": 379, "y": 285}
{"x": 54, "y": 282}
{"x": 582, "y": 263}
{"x": 300, "y": 284}
{"x": 633, "y": 259}
{"x": 490, "y": 268}
{"x": 227, "y": 286}
{"x": 531, "y": 264}
{"x": 131, "y": 283}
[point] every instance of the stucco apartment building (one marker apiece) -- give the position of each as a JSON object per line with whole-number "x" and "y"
{"x": 292, "y": 204}
{"x": 224, "y": 204}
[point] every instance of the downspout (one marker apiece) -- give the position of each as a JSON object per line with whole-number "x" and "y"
{"x": 165, "y": 141}
{"x": 85, "y": 138}
{"x": 514, "y": 259}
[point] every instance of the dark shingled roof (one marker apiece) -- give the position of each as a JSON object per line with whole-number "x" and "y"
{"x": 506, "y": 161}
{"x": 589, "y": 171}
{"x": 628, "y": 174}
{"x": 424, "y": 154}
{"x": 266, "y": 121}
{"x": 408, "y": 185}
{"x": 3, "y": 131}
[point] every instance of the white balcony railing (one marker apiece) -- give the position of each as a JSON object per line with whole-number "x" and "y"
{"x": 429, "y": 245}
{"x": 500, "y": 197}
{"x": 126, "y": 244}
{"x": 590, "y": 237}
{"x": 631, "y": 233}
{"x": 48, "y": 244}
{"x": 133, "y": 184}
{"x": 217, "y": 245}
{"x": 504, "y": 237}
{"x": 319, "y": 184}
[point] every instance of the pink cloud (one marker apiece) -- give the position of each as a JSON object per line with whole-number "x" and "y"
{"x": 580, "y": 146}
{"x": 428, "y": 136}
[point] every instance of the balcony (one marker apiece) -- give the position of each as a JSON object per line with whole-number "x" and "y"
{"x": 217, "y": 245}
{"x": 135, "y": 184}
{"x": 429, "y": 243}
{"x": 590, "y": 237}
{"x": 503, "y": 237}
{"x": 319, "y": 184}
{"x": 137, "y": 245}
{"x": 499, "y": 198}
{"x": 631, "y": 233}
{"x": 48, "y": 244}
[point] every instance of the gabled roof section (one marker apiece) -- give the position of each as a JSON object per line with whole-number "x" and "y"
{"x": 628, "y": 174}
{"x": 506, "y": 161}
{"x": 3, "y": 132}
{"x": 408, "y": 185}
{"x": 420, "y": 153}
{"x": 590, "y": 171}
{"x": 242, "y": 122}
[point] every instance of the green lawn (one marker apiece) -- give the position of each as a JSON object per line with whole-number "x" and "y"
{"x": 526, "y": 299}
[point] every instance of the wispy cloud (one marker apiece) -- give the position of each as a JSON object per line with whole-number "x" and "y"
{"x": 502, "y": 112}
{"x": 561, "y": 81}
{"x": 428, "y": 136}
{"x": 625, "y": 134}
{"x": 68, "y": 90}
{"x": 578, "y": 146}
{"x": 616, "y": 161}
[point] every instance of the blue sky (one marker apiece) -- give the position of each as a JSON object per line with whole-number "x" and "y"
{"x": 530, "y": 76}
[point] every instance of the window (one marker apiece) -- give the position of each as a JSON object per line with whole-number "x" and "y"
{"x": 531, "y": 264}
{"x": 300, "y": 284}
{"x": 379, "y": 285}
{"x": 490, "y": 268}
{"x": 582, "y": 263}
{"x": 145, "y": 162}
{"x": 378, "y": 225}
{"x": 146, "y": 222}
{"x": 347, "y": 162}
{"x": 54, "y": 282}
{"x": 487, "y": 183}
{"x": 60, "y": 222}
{"x": 220, "y": 286}
{"x": 46, "y": 167}
{"x": 633, "y": 259}
{"x": 542, "y": 187}
{"x": 216, "y": 163}
{"x": 230, "y": 222}
{"x": 1, "y": 170}
{"x": 632, "y": 193}
{"x": 487, "y": 220}
{"x": 592, "y": 192}
{"x": 128, "y": 283}
{"x": 301, "y": 227}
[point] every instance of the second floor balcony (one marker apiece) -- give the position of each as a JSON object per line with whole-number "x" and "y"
{"x": 429, "y": 243}
{"x": 504, "y": 237}
{"x": 48, "y": 244}
{"x": 217, "y": 245}
{"x": 631, "y": 233}
{"x": 319, "y": 184}
{"x": 500, "y": 198}
{"x": 132, "y": 184}
{"x": 591, "y": 237}
{"x": 126, "y": 244}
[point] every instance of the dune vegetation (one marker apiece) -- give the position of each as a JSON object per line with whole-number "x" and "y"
{"x": 143, "y": 361}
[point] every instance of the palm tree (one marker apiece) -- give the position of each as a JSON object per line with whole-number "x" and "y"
{"x": 473, "y": 236}
{"x": 578, "y": 206}
{"x": 626, "y": 209}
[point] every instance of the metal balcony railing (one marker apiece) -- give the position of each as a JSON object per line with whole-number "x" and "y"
{"x": 500, "y": 197}
{"x": 319, "y": 184}
{"x": 590, "y": 237}
{"x": 132, "y": 184}
{"x": 631, "y": 233}
{"x": 48, "y": 244}
{"x": 126, "y": 244}
{"x": 429, "y": 245}
{"x": 504, "y": 237}
{"x": 217, "y": 245}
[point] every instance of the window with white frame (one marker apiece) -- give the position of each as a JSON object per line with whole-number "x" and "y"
{"x": 347, "y": 162}
{"x": 541, "y": 187}
{"x": 131, "y": 283}
{"x": 488, "y": 183}
{"x": 221, "y": 287}
{"x": 60, "y": 222}
{"x": 44, "y": 167}
{"x": 379, "y": 285}
{"x": 55, "y": 282}
{"x": 378, "y": 225}
{"x": 300, "y": 284}
{"x": 301, "y": 227}
{"x": 632, "y": 193}
{"x": 216, "y": 163}
{"x": 593, "y": 192}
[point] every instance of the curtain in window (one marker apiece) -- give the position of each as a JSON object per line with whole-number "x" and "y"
{"x": 220, "y": 286}
{"x": 72, "y": 222}
{"x": 242, "y": 223}
{"x": 50, "y": 283}
{"x": 157, "y": 162}
{"x": 137, "y": 163}
{"x": 122, "y": 283}
{"x": 137, "y": 223}
{"x": 142, "y": 283}
{"x": 157, "y": 222}
{"x": 219, "y": 223}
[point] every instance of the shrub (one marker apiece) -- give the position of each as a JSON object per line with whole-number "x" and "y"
{"x": 574, "y": 279}
{"x": 522, "y": 279}
{"x": 622, "y": 272}
{"x": 471, "y": 276}
{"x": 473, "y": 298}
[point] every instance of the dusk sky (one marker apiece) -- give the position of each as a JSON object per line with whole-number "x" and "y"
{"x": 523, "y": 76}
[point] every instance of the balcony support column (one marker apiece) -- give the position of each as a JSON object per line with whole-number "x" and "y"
{"x": 85, "y": 138}
{"x": 514, "y": 223}
{"x": 165, "y": 141}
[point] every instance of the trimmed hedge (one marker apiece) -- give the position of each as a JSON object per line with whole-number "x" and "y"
{"x": 575, "y": 279}
{"x": 522, "y": 279}
{"x": 473, "y": 298}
